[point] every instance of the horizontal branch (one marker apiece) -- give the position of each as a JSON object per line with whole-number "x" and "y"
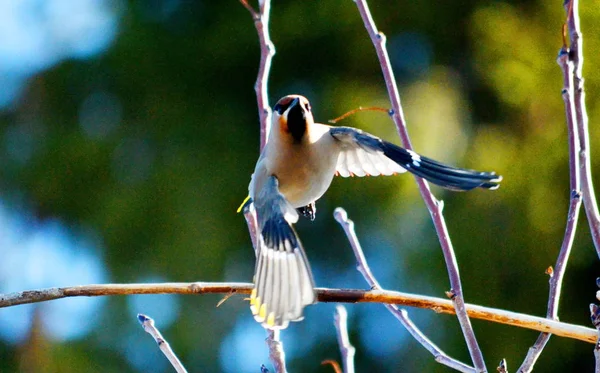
{"x": 438, "y": 305}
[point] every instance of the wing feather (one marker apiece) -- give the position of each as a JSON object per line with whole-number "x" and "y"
{"x": 361, "y": 158}
{"x": 354, "y": 163}
{"x": 364, "y": 154}
{"x": 284, "y": 283}
{"x": 342, "y": 165}
{"x": 364, "y": 161}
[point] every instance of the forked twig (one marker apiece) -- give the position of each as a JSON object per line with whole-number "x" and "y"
{"x": 558, "y": 272}
{"x": 434, "y": 206}
{"x": 576, "y": 55}
{"x": 267, "y": 51}
{"x": 348, "y": 225}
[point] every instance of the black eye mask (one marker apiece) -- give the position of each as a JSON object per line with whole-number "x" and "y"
{"x": 280, "y": 109}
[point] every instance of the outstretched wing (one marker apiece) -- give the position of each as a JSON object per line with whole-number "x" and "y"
{"x": 361, "y": 154}
{"x": 283, "y": 281}
{"x": 364, "y": 154}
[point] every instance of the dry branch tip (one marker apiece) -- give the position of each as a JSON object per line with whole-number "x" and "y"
{"x": 334, "y": 364}
{"x": 354, "y": 111}
{"x": 226, "y": 297}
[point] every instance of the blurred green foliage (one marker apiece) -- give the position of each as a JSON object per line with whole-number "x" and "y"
{"x": 161, "y": 189}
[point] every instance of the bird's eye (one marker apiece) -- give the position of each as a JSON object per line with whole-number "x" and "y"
{"x": 280, "y": 109}
{"x": 307, "y": 107}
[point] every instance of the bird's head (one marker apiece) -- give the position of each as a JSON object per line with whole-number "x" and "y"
{"x": 294, "y": 116}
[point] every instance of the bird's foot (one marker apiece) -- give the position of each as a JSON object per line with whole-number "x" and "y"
{"x": 308, "y": 211}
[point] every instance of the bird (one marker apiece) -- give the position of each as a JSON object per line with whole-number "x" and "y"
{"x": 295, "y": 168}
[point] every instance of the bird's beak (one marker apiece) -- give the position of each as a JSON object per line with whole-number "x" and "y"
{"x": 294, "y": 103}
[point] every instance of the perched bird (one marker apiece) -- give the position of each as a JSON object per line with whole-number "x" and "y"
{"x": 294, "y": 170}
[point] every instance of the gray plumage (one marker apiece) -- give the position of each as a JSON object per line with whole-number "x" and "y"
{"x": 283, "y": 279}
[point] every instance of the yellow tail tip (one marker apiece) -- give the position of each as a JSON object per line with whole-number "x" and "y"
{"x": 262, "y": 311}
{"x": 242, "y": 205}
{"x": 271, "y": 319}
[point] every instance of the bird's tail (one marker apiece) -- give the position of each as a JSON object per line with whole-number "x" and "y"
{"x": 458, "y": 179}
{"x": 283, "y": 285}
{"x": 283, "y": 280}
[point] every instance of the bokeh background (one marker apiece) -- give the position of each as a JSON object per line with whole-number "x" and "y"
{"x": 129, "y": 130}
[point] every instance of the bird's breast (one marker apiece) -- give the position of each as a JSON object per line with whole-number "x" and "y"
{"x": 305, "y": 171}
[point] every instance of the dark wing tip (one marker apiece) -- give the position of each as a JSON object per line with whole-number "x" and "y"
{"x": 453, "y": 178}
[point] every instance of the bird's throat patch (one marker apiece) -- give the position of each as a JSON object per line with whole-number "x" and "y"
{"x": 296, "y": 123}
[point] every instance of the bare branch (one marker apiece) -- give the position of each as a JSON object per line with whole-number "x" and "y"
{"x": 595, "y": 316}
{"x": 348, "y": 225}
{"x": 267, "y": 51}
{"x": 346, "y": 348}
{"x": 434, "y": 206}
{"x": 587, "y": 186}
{"x": 43, "y": 295}
{"x": 276, "y": 353}
{"x": 597, "y": 357}
{"x": 150, "y": 328}
{"x": 255, "y": 15}
{"x": 438, "y": 305}
{"x": 557, "y": 274}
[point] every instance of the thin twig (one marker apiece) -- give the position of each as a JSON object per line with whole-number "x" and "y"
{"x": 360, "y": 108}
{"x": 334, "y": 364}
{"x": 276, "y": 353}
{"x": 587, "y": 186}
{"x": 597, "y": 356}
{"x": 434, "y": 206}
{"x": 346, "y": 349}
{"x": 348, "y": 225}
{"x": 150, "y": 328}
{"x": 557, "y": 274}
{"x": 328, "y": 295}
{"x": 595, "y": 317}
{"x": 249, "y": 7}
{"x": 267, "y": 51}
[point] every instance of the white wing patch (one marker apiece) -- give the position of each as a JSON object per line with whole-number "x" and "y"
{"x": 415, "y": 157}
{"x": 364, "y": 154}
{"x": 356, "y": 161}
